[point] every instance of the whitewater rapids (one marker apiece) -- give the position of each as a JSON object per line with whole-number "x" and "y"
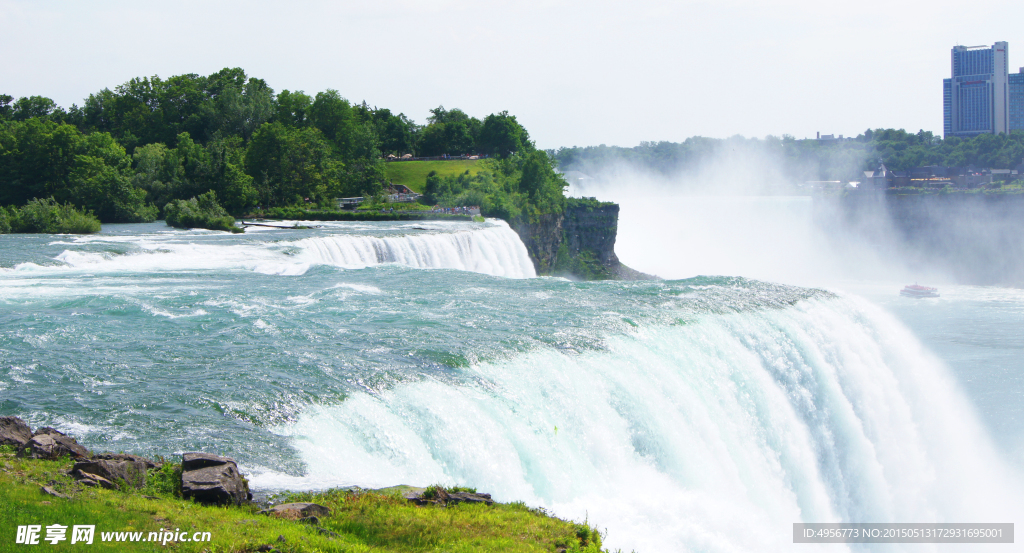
{"x": 705, "y": 414}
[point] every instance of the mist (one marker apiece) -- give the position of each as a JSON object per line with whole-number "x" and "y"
{"x": 742, "y": 210}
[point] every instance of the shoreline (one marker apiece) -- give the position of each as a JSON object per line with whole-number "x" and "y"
{"x": 47, "y": 480}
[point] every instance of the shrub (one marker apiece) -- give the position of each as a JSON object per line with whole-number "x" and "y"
{"x": 165, "y": 479}
{"x": 48, "y": 217}
{"x": 202, "y": 212}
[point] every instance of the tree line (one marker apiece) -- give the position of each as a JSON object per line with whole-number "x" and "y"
{"x": 127, "y": 153}
{"x": 812, "y": 159}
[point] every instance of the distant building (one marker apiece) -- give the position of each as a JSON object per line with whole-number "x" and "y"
{"x": 935, "y": 176}
{"x": 1016, "y": 100}
{"x": 976, "y": 97}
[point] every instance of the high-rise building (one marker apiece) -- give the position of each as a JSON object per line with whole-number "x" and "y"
{"x": 976, "y": 97}
{"x": 1016, "y": 101}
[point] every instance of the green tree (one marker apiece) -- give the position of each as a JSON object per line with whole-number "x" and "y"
{"x": 292, "y": 165}
{"x": 6, "y": 110}
{"x": 451, "y": 132}
{"x": 35, "y": 106}
{"x": 395, "y": 133}
{"x": 501, "y": 135}
{"x": 40, "y": 158}
{"x": 292, "y": 108}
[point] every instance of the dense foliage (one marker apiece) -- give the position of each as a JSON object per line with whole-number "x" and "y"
{"x": 518, "y": 187}
{"x": 201, "y": 212}
{"x": 40, "y": 158}
{"x": 128, "y": 152}
{"x": 810, "y": 159}
{"x": 47, "y": 217}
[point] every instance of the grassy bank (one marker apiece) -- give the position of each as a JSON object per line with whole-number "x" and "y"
{"x": 414, "y": 173}
{"x": 360, "y": 521}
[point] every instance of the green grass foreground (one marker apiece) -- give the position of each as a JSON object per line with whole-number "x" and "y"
{"x": 414, "y": 173}
{"x": 359, "y": 521}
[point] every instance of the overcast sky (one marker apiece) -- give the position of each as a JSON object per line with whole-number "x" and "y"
{"x": 573, "y": 72}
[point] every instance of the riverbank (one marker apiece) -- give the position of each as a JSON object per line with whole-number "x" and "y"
{"x": 151, "y": 514}
{"x": 300, "y": 214}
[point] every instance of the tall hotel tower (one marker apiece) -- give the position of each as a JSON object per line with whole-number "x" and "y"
{"x": 976, "y": 98}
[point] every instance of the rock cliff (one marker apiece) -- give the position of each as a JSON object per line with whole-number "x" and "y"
{"x": 579, "y": 242}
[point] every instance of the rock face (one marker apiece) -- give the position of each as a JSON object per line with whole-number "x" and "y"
{"x": 48, "y": 443}
{"x": 14, "y": 431}
{"x": 593, "y": 230}
{"x": 557, "y": 243}
{"x": 212, "y": 479}
{"x": 131, "y": 471}
{"x": 297, "y": 511}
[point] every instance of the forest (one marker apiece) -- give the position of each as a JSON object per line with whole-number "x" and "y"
{"x": 129, "y": 154}
{"x": 810, "y": 159}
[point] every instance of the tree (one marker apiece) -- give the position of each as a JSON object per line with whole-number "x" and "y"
{"x": 40, "y": 158}
{"x": 5, "y": 106}
{"x": 501, "y": 135}
{"x": 291, "y": 165}
{"x": 449, "y": 132}
{"x": 292, "y": 107}
{"x": 396, "y": 133}
{"x": 34, "y": 106}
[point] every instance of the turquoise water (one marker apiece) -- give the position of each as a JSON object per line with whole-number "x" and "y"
{"x": 977, "y": 332}
{"x": 700, "y": 414}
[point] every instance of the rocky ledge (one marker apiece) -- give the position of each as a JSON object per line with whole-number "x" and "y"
{"x": 206, "y": 478}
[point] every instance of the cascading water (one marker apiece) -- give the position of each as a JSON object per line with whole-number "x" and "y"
{"x": 707, "y": 414}
{"x": 492, "y": 249}
{"x": 713, "y": 434}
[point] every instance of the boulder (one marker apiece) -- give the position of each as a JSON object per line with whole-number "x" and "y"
{"x": 212, "y": 479}
{"x": 53, "y": 445}
{"x": 88, "y": 479}
{"x": 466, "y": 497}
{"x": 46, "y": 490}
{"x": 297, "y": 511}
{"x": 150, "y": 464}
{"x": 196, "y": 460}
{"x": 132, "y": 471}
{"x": 442, "y": 497}
{"x": 14, "y": 431}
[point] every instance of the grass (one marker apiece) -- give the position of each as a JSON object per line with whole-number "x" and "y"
{"x": 414, "y": 173}
{"x": 360, "y": 521}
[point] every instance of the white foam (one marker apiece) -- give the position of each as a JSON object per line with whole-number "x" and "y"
{"x": 492, "y": 249}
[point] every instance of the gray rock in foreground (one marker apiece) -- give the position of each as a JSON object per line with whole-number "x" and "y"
{"x": 14, "y": 431}
{"x": 443, "y": 498}
{"x": 89, "y": 479}
{"x": 297, "y": 511}
{"x": 211, "y": 478}
{"x": 126, "y": 457}
{"x": 53, "y": 445}
{"x": 132, "y": 472}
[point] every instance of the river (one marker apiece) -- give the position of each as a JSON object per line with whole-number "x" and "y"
{"x": 702, "y": 414}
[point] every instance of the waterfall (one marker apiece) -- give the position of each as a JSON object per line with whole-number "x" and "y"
{"x": 715, "y": 435}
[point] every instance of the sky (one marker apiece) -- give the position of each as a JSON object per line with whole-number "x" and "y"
{"x": 574, "y": 73}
